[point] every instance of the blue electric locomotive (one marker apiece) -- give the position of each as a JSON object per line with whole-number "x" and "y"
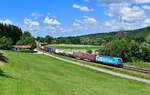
{"x": 116, "y": 61}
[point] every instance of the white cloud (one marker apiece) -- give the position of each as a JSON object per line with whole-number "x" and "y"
{"x": 113, "y": 25}
{"x": 82, "y": 8}
{"x": 85, "y": 21}
{"x": 89, "y": 20}
{"x": 31, "y": 24}
{"x": 85, "y": 25}
{"x": 51, "y": 21}
{"x": 124, "y": 1}
{"x": 141, "y": 1}
{"x": 146, "y": 7}
{"x": 6, "y": 21}
{"x": 132, "y": 14}
{"x": 126, "y": 12}
{"x": 146, "y": 22}
{"x": 116, "y": 25}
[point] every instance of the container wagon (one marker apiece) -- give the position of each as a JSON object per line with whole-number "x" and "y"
{"x": 78, "y": 55}
{"x": 50, "y": 50}
{"x": 89, "y": 57}
{"x": 68, "y": 53}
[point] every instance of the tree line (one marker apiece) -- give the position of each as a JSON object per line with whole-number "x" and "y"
{"x": 13, "y": 35}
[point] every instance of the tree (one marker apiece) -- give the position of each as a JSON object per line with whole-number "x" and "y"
{"x": 123, "y": 48}
{"x": 40, "y": 39}
{"x": 5, "y": 43}
{"x": 48, "y": 39}
{"x": 144, "y": 49}
{"x": 10, "y": 31}
{"x": 27, "y": 39}
{"x": 148, "y": 39}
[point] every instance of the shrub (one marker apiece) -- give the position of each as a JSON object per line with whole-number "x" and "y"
{"x": 89, "y": 51}
{"x": 5, "y": 43}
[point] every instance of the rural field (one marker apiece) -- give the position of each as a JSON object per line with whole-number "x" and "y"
{"x": 72, "y": 47}
{"x": 84, "y": 48}
{"x": 31, "y": 74}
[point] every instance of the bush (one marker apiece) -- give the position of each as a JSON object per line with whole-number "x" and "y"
{"x": 144, "y": 50}
{"x": 27, "y": 39}
{"x": 5, "y": 43}
{"x": 89, "y": 51}
{"x": 3, "y": 58}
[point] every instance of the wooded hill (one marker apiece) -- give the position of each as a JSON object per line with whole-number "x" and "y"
{"x": 103, "y": 38}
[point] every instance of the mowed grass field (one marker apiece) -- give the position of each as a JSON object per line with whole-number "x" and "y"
{"x": 31, "y": 74}
{"x": 82, "y": 48}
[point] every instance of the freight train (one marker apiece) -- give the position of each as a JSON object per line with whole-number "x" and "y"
{"x": 113, "y": 61}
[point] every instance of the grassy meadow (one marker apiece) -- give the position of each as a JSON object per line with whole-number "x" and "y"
{"x": 31, "y": 74}
{"x": 82, "y": 48}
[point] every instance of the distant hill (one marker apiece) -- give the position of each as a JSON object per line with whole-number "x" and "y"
{"x": 130, "y": 33}
{"x": 99, "y": 38}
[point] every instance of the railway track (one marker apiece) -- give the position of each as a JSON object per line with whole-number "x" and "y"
{"x": 137, "y": 69}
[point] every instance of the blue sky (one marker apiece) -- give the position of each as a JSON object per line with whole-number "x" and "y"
{"x": 75, "y": 17}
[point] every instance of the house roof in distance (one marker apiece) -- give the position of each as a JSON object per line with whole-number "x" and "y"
{"x": 22, "y": 46}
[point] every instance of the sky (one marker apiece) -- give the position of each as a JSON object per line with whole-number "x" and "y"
{"x": 75, "y": 17}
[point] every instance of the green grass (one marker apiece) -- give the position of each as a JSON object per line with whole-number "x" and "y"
{"x": 140, "y": 64}
{"x": 30, "y": 74}
{"x": 107, "y": 67}
{"x": 75, "y": 47}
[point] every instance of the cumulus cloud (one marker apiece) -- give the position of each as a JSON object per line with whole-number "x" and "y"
{"x": 31, "y": 25}
{"x": 6, "y": 21}
{"x": 89, "y": 20}
{"x": 116, "y": 25}
{"x": 132, "y": 14}
{"x": 146, "y": 22}
{"x": 85, "y": 25}
{"x": 51, "y": 21}
{"x": 123, "y": 1}
{"x": 113, "y": 25}
{"x": 44, "y": 26}
{"x": 82, "y": 8}
{"x": 86, "y": 21}
{"x": 141, "y": 1}
{"x": 126, "y": 15}
{"x": 146, "y": 7}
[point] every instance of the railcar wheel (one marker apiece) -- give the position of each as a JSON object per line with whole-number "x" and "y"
{"x": 120, "y": 66}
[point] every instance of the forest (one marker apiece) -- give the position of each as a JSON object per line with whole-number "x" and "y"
{"x": 12, "y": 35}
